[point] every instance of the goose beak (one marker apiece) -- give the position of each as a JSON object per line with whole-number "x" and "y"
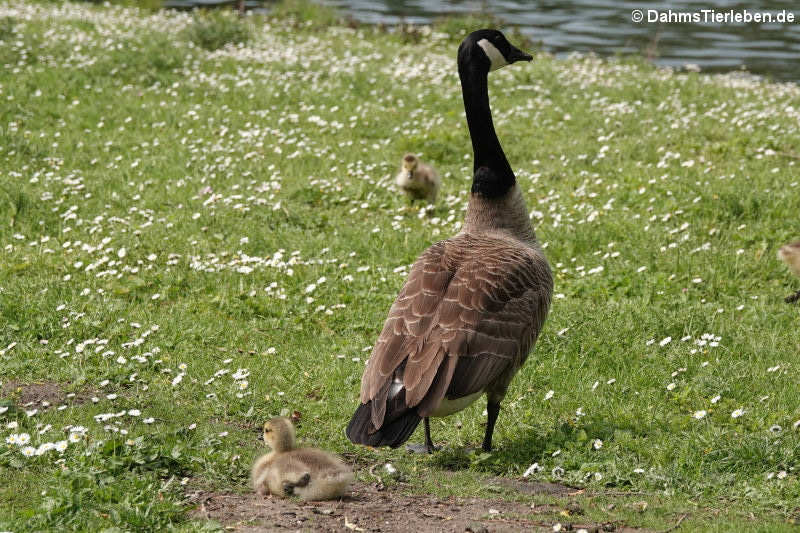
{"x": 518, "y": 55}
{"x": 410, "y": 175}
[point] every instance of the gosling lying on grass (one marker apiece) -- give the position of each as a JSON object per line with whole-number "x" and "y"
{"x": 418, "y": 180}
{"x": 790, "y": 254}
{"x": 309, "y": 473}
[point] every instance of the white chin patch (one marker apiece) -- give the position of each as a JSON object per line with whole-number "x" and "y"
{"x": 495, "y": 57}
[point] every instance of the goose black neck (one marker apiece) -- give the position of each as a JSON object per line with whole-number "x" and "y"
{"x": 492, "y": 175}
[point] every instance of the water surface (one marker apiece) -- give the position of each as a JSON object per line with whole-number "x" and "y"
{"x": 606, "y": 27}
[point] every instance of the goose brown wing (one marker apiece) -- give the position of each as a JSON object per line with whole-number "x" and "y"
{"x": 469, "y": 311}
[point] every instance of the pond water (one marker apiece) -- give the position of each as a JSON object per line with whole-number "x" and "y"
{"x": 716, "y": 35}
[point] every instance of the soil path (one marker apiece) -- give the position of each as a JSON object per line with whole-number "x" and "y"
{"x": 42, "y": 395}
{"x": 373, "y": 509}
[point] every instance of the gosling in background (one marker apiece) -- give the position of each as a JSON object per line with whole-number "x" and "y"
{"x": 309, "y": 473}
{"x": 418, "y": 180}
{"x": 790, "y": 254}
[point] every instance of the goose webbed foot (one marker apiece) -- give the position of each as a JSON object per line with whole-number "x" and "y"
{"x": 428, "y": 447}
{"x": 289, "y": 486}
{"x": 793, "y": 298}
{"x": 421, "y": 448}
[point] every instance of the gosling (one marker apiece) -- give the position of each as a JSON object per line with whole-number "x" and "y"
{"x": 790, "y": 254}
{"x": 309, "y": 473}
{"x": 418, "y": 180}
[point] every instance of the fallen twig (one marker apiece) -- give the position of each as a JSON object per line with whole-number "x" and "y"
{"x": 677, "y": 524}
{"x": 373, "y": 474}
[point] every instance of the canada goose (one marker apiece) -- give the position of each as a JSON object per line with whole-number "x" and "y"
{"x": 309, "y": 473}
{"x": 790, "y": 254}
{"x": 418, "y": 180}
{"x": 473, "y": 305}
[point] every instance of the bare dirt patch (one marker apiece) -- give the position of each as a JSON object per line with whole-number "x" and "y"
{"x": 371, "y": 509}
{"x": 42, "y": 395}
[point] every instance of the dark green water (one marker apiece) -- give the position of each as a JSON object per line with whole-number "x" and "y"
{"x": 769, "y": 48}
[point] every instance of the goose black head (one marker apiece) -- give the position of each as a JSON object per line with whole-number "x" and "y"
{"x": 489, "y": 50}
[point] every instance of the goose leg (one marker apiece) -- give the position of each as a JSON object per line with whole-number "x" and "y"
{"x": 428, "y": 441}
{"x": 493, "y": 409}
{"x": 428, "y": 447}
{"x": 793, "y": 298}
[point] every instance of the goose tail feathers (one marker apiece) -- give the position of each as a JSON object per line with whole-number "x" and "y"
{"x": 395, "y": 430}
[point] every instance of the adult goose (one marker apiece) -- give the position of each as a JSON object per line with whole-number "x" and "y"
{"x": 473, "y": 305}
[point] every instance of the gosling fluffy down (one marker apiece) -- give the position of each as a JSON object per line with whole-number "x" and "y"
{"x": 308, "y": 473}
{"x": 418, "y": 180}
{"x": 790, "y": 254}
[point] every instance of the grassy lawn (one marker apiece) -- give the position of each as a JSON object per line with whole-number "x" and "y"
{"x": 196, "y": 236}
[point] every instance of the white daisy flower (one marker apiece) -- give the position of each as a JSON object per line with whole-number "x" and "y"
{"x": 44, "y": 448}
{"x": 241, "y": 373}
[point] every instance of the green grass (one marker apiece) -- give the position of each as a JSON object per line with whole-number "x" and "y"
{"x": 213, "y": 30}
{"x": 147, "y": 181}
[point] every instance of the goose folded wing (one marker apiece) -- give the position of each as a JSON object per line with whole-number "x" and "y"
{"x": 460, "y": 321}
{"x": 490, "y": 318}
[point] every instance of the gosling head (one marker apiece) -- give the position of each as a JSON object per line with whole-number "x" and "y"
{"x": 410, "y": 163}
{"x": 279, "y": 434}
{"x": 489, "y": 50}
